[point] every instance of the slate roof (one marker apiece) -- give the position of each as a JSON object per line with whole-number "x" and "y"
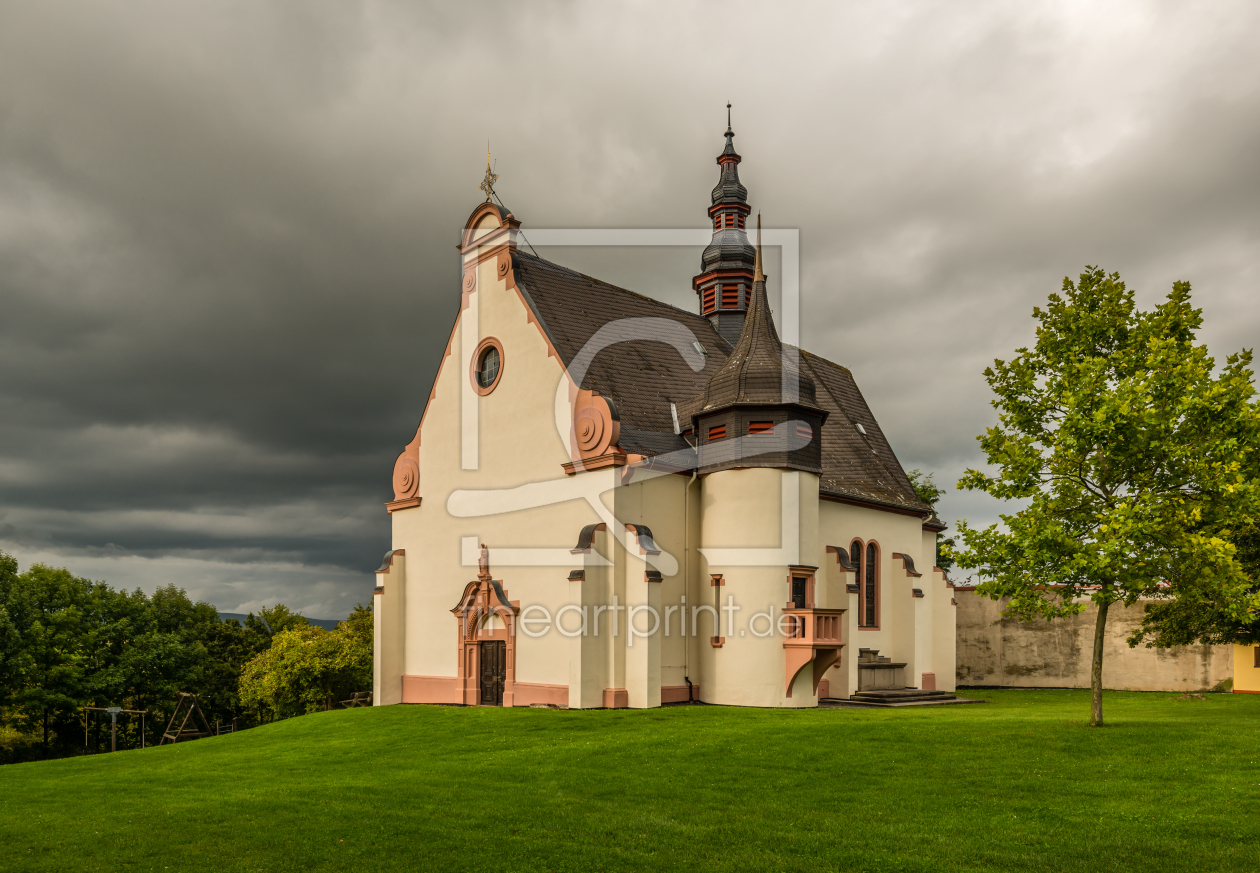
{"x": 643, "y": 376}
{"x": 757, "y": 368}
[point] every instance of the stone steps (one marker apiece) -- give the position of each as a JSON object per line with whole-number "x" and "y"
{"x": 898, "y": 697}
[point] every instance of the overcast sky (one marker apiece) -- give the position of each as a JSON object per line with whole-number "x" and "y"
{"x": 227, "y": 263}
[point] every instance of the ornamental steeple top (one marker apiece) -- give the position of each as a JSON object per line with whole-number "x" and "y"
{"x": 728, "y": 189}
{"x": 724, "y": 284}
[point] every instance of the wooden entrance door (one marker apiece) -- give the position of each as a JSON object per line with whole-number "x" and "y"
{"x": 493, "y": 672}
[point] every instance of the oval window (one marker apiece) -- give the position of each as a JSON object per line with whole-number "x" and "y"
{"x": 488, "y": 367}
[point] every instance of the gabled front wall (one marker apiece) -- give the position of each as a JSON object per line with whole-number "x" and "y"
{"x": 513, "y": 435}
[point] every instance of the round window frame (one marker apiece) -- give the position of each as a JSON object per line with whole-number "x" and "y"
{"x": 474, "y": 365}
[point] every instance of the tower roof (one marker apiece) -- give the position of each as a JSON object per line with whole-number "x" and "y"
{"x": 729, "y": 249}
{"x": 759, "y": 371}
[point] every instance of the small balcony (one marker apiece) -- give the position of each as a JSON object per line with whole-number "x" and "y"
{"x": 811, "y": 635}
{"x": 812, "y": 627}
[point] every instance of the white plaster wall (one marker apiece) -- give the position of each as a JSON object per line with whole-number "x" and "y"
{"x": 658, "y": 502}
{"x": 900, "y": 611}
{"x": 516, "y": 444}
{"x": 387, "y": 634}
{"x": 743, "y": 509}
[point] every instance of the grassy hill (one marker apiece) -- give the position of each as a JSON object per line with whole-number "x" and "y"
{"x": 1019, "y": 783}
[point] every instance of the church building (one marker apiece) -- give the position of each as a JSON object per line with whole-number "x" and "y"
{"x": 613, "y": 502}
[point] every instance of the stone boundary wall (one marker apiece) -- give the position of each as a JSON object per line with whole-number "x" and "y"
{"x": 998, "y": 651}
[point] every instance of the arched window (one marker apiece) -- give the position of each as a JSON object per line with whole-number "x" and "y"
{"x": 855, "y": 558}
{"x": 870, "y": 608}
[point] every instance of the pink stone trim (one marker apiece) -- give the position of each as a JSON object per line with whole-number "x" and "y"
{"x": 806, "y": 573}
{"x": 611, "y": 459}
{"x": 616, "y": 698}
{"x": 527, "y": 693}
{"x": 488, "y": 342}
{"x": 678, "y": 693}
{"x": 928, "y": 682}
{"x": 859, "y": 577}
{"x": 430, "y": 689}
{"x": 595, "y": 430}
{"x": 406, "y": 503}
{"x": 479, "y": 600}
{"x": 814, "y": 635}
{"x": 406, "y": 476}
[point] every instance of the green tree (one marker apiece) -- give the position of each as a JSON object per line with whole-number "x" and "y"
{"x": 306, "y": 666}
{"x": 929, "y": 492}
{"x": 1132, "y": 452}
{"x": 49, "y": 608}
{"x": 1188, "y": 612}
{"x": 229, "y": 647}
{"x": 276, "y": 619}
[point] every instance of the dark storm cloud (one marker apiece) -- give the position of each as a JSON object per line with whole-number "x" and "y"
{"x": 227, "y": 270}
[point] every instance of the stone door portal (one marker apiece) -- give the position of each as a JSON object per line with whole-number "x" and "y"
{"x": 493, "y": 672}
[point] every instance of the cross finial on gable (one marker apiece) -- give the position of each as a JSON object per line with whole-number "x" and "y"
{"x": 487, "y": 184}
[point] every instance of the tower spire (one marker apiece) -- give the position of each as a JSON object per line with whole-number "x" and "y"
{"x": 724, "y": 284}
{"x": 758, "y": 276}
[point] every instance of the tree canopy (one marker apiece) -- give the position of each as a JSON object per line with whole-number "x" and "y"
{"x": 924, "y": 485}
{"x": 1136, "y": 457}
{"x": 67, "y": 642}
{"x": 307, "y": 666}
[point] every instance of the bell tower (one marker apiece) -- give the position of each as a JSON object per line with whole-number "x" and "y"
{"x": 724, "y": 284}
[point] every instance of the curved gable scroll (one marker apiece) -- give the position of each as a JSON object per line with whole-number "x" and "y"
{"x": 644, "y": 534}
{"x": 586, "y": 537}
{"x": 842, "y": 557}
{"x": 908, "y": 562}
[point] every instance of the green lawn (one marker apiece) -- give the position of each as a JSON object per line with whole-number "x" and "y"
{"x": 1017, "y": 783}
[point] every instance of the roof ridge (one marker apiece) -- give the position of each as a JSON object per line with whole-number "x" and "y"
{"x": 826, "y": 361}
{"x": 597, "y": 281}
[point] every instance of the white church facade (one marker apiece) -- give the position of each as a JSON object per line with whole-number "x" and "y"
{"x": 613, "y": 502}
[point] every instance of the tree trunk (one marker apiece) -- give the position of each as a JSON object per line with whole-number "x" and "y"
{"x": 1095, "y": 673}
{"x": 45, "y": 728}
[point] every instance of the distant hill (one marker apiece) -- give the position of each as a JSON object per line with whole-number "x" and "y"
{"x": 325, "y": 623}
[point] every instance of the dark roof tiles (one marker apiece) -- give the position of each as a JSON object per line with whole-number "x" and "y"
{"x": 641, "y": 370}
